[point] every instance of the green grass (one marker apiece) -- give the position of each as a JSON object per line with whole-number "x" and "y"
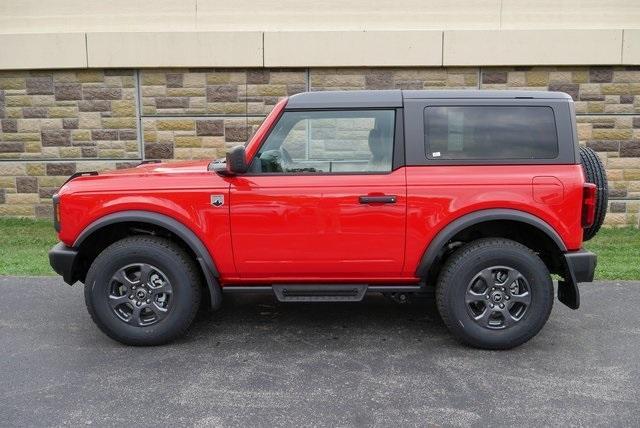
{"x": 24, "y": 244}
{"x": 618, "y": 253}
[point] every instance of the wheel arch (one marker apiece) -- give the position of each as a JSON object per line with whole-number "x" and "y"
{"x": 136, "y": 220}
{"x": 474, "y": 221}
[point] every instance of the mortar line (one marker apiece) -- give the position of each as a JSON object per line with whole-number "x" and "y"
{"x": 608, "y": 114}
{"x": 67, "y": 160}
{"x": 138, "y": 101}
{"x": 200, "y": 116}
{"x": 622, "y": 49}
{"x": 442, "y": 49}
{"x": 86, "y": 50}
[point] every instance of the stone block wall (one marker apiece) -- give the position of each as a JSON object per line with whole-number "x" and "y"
{"x": 55, "y": 123}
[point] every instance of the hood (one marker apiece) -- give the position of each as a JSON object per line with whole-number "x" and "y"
{"x": 184, "y": 167}
{"x": 147, "y": 177}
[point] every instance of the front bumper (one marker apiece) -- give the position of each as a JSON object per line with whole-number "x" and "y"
{"x": 580, "y": 266}
{"x": 63, "y": 260}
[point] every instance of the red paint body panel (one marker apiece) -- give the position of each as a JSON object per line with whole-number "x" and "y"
{"x": 312, "y": 228}
{"x": 179, "y": 190}
{"x": 438, "y": 195}
{"x": 548, "y": 190}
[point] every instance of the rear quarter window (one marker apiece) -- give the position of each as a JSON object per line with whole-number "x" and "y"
{"x": 490, "y": 132}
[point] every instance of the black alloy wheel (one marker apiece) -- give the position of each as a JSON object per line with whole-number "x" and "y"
{"x": 143, "y": 290}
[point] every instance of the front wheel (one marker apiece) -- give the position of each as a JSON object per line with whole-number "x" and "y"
{"x": 494, "y": 294}
{"x": 143, "y": 290}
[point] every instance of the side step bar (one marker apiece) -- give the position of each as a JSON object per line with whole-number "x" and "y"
{"x": 322, "y": 292}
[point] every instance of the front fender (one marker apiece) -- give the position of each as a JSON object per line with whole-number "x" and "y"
{"x": 204, "y": 258}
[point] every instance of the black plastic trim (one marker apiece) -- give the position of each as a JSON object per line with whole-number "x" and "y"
{"x": 409, "y": 94}
{"x": 62, "y": 259}
{"x": 345, "y": 99}
{"x": 183, "y": 232}
{"x": 79, "y": 174}
{"x": 396, "y": 289}
{"x": 268, "y": 289}
{"x": 395, "y": 97}
{"x": 581, "y": 264}
{"x": 319, "y": 292}
{"x": 437, "y": 243}
{"x": 386, "y": 199}
{"x": 399, "y": 155}
{"x": 247, "y": 289}
{"x": 215, "y": 294}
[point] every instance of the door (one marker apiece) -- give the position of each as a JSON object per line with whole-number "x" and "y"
{"x": 323, "y": 199}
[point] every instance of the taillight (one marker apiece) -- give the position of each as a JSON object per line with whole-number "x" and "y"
{"x": 588, "y": 204}
{"x": 56, "y": 212}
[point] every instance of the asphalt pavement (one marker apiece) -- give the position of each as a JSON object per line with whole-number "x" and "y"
{"x": 262, "y": 363}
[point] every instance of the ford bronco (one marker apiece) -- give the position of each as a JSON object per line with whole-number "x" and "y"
{"x": 479, "y": 196}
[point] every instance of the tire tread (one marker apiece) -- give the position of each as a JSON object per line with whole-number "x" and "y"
{"x": 595, "y": 173}
{"x": 179, "y": 255}
{"x": 445, "y": 280}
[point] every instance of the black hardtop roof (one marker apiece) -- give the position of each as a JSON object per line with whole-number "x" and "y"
{"x": 394, "y": 97}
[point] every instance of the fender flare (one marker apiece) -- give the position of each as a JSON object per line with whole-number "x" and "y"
{"x": 203, "y": 256}
{"x": 481, "y": 216}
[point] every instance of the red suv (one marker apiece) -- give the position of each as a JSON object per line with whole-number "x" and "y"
{"x": 480, "y": 195}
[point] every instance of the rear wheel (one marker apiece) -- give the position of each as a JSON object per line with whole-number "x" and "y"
{"x": 143, "y": 290}
{"x": 494, "y": 294}
{"x": 595, "y": 173}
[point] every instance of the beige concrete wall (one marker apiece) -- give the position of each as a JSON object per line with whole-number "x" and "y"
{"x": 345, "y": 48}
{"x": 320, "y": 49}
{"x": 38, "y": 34}
{"x": 167, "y": 49}
{"x": 50, "y": 16}
{"x": 42, "y": 50}
{"x": 540, "y": 47}
{"x": 277, "y": 15}
{"x": 631, "y": 47}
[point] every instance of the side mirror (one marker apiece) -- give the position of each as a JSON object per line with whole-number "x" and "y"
{"x": 236, "y": 163}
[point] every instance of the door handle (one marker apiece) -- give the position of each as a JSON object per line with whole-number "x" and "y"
{"x": 383, "y": 199}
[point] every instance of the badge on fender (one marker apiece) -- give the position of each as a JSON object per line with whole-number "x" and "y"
{"x": 217, "y": 200}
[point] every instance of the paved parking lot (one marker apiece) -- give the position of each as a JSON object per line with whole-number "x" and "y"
{"x": 261, "y": 363}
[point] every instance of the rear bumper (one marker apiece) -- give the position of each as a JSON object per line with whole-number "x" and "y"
{"x": 62, "y": 259}
{"x": 580, "y": 266}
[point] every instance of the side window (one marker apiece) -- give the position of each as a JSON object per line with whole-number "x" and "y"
{"x": 334, "y": 141}
{"x": 490, "y": 132}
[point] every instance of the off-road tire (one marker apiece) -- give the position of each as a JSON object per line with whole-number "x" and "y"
{"x": 460, "y": 269}
{"x": 595, "y": 173}
{"x": 173, "y": 261}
